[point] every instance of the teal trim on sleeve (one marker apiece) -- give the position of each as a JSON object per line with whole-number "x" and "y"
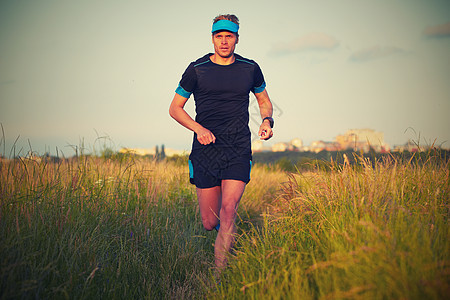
{"x": 250, "y": 170}
{"x": 260, "y": 88}
{"x": 191, "y": 170}
{"x": 246, "y": 61}
{"x": 182, "y": 92}
{"x": 204, "y": 62}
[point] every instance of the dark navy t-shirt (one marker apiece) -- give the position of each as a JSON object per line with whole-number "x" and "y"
{"x": 221, "y": 94}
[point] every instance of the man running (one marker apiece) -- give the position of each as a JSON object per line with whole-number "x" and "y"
{"x": 221, "y": 156}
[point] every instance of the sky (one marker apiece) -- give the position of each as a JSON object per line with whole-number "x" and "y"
{"x": 102, "y": 73}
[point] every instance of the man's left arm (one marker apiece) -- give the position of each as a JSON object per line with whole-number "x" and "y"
{"x": 266, "y": 110}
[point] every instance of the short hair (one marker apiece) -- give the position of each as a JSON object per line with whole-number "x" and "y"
{"x": 231, "y": 18}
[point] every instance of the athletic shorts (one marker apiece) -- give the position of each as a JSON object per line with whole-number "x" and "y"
{"x": 210, "y": 173}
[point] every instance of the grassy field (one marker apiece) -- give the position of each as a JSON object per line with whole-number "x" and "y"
{"x": 129, "y": 228}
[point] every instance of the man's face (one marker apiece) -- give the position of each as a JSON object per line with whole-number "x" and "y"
{"x": 224, "y": 43}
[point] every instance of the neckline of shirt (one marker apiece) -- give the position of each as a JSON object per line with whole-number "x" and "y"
{"x": 211, "y": 54}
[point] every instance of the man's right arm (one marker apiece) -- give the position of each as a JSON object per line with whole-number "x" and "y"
{"x": 176, "y": 111}
{"x": 266, "y": 110}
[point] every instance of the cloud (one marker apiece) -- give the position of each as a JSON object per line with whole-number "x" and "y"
{"x": 442, "y": 30}
{"x": 311, "y": 42}
{"x": 375, "y": 52}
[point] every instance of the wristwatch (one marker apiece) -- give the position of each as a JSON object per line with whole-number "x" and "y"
{"x": 270, "y": 121}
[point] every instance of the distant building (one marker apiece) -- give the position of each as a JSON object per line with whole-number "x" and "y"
{"x": 152, "y": 151}
{"x": 362, "y": 139}
{"x": 260, "y": 146}
{"x": 280, "y": 147}
{"x": 257, "y": 146}
{"x": 353, "y": 139}
{"x": 318, "y": 146}
{"x": 34, "y": 156}
{"x": 296, "y": 145}
{"x": 410, "y": 146}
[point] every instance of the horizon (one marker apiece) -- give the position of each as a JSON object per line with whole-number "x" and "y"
{"x": 24, "y": 148}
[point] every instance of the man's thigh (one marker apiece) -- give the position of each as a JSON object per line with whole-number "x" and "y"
{"x": 232, "y": 191}
{"x": 209, "y": 200}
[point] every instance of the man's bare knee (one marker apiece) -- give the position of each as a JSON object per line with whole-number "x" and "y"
{"x": 210, "y": 224}
{"x": 228, "y": 213}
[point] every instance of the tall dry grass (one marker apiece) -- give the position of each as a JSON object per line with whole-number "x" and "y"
{"x": 119, "y": 228}
{"x": 376, "y": 230}
{"x": 129, "y": 227}
{"x": 90, "y": 227}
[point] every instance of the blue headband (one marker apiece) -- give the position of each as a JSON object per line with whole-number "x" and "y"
{"x": 225, "y": 25}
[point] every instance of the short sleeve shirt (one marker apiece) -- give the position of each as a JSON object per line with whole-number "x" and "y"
{"x": 221, "y": 94}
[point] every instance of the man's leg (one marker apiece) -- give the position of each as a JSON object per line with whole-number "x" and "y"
{"x": 232, "y": 191}
{"x": 209, "y": 201}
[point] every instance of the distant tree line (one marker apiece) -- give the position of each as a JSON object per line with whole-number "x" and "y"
{"x": 292, "y": 160}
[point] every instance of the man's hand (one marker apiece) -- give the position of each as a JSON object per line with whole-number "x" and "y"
{"x": 265, "y": 132}
{"x": 205, "y": 137}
